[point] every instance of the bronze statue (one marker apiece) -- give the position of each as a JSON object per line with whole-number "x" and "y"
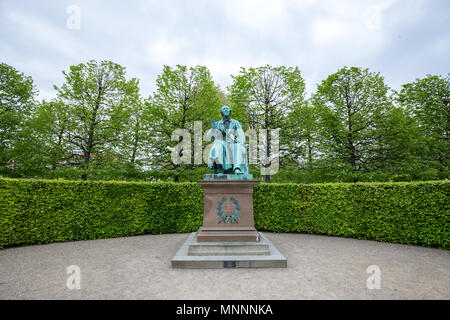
{"x": 228, "y": 154}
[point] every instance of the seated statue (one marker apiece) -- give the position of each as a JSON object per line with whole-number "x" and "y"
{"x": 228, "y": 154}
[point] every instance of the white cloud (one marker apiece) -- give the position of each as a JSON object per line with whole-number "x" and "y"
{"x": 55, "y": 38}
{"x": 166, "y": 50}
{"x": 374, "y": 18}
{"x": 260, "y": 15}
{"x": 374, "y": 14}
{"x": 328, "y": 32}
{"x": 317, "y": 36}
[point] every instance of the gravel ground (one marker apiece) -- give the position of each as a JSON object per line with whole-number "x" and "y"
{"x": 319, "y": 267}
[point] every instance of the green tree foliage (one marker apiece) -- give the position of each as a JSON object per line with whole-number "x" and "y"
{"x": 98, "y": 101}
{"x": 304, "y": 138}
{"x": 183, "y": 95}
{"x": 47, "y": 134}
{"x": 100, "y": 127}
{"x": 17, "y": 94}
{"x": 135, "y": 140}
{"x": 267, "y": 96}
{"x": 352, "y": 104}
{"x": 428, "y": 100}
{"x": 399, "y": 146}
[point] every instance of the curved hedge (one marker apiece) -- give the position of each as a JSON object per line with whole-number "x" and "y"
{"x": 402, "y": 212}
{"x": 44, "y": 211}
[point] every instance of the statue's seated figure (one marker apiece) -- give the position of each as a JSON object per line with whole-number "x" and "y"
{"x": 228, "y": 154}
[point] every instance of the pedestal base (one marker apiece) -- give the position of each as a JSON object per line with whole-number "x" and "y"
{"x": 228, "y": 211}
{"x": 217, "y": 255}
{"x": 227, "y": 235}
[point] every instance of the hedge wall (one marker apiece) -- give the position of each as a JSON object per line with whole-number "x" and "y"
{"x": 43, "y": 211}
{"x": 404, "y": 212}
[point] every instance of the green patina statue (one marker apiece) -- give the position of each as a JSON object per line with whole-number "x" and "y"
{"x": 228, "y": 155}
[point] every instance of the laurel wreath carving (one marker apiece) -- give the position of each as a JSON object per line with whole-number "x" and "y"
{"x": 223, "y": 217}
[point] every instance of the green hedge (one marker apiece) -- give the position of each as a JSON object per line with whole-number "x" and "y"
{"x": 404, "y": 212}
{"x": 44, "y": 211}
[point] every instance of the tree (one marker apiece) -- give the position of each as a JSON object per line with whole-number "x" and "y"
{"x": 266, "y": 96}
{"x": 135, "y": 140}
{"x": 98, "y": 99}
{"x": 399, "y": 145}
{"x": 428, "y": 100}
{"x": 183, "y": 95}
{"x": 48, "y": 125}
{"x": 17, "y": 94}
{"x": 304, "y": 138}
{"x": 351, "y": 104}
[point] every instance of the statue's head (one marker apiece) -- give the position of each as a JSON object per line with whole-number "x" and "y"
{"x": 225, "y": 111}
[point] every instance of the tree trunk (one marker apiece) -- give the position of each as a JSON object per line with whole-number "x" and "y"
{"x": 57, "y": 160}
{"x": 90, "y": 142}
{"x": 135, "y": 145}
{"x": 351, "y": 146}
{"x": 309, "y": 153}
{"x": 267, "y": 124}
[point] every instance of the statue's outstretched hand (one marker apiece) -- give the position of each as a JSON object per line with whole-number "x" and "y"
{"x": 213, "y": 124}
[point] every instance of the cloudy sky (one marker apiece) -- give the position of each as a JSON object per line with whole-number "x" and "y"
{"x": 401, "y": 39}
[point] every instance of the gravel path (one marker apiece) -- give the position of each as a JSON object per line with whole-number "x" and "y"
{"x": 319, "y": 267}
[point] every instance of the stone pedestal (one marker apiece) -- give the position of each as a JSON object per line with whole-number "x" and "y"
{"x": 228, "y": 238}
{"x": 216, "y": 255}
{"x": 228, "y": 211}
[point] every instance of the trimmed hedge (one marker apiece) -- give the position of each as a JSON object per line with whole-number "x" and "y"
{"x": 404, "y": 212}
{"x": 44, "y": 211}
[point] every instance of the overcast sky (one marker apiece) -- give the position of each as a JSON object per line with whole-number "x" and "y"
{"x": 401, "y": 39}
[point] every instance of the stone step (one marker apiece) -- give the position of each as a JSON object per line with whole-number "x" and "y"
{"x": 229, "y": 250}
{"x": 216, "y": 255}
